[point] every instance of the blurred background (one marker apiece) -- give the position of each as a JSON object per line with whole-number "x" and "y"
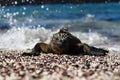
{"x": 23, "y": 23}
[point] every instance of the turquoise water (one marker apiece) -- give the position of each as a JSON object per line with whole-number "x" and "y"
{"x": 94, "y": 24}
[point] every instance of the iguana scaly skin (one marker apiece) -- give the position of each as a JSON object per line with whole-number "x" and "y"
{"x": 64, "y": 42}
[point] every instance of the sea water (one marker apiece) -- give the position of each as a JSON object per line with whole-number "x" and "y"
{"x": 21, "y": 27}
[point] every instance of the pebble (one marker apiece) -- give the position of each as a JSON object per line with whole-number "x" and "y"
{"x": 58, "y": 67}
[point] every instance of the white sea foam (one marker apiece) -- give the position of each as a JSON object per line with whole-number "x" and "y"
{"x": 92, "y": 38}
{"x": 24, "y": 38}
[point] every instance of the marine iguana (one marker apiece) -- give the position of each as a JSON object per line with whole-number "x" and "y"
{"x": 63, "y": 42}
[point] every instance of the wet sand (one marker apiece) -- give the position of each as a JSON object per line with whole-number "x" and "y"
{"x": 13, "y": 66}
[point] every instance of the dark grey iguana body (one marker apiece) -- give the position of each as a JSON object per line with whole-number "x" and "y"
{"x": 64, "y": 42}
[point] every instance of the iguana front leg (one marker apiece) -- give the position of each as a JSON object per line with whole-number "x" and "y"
{"x": 38, "y": 48}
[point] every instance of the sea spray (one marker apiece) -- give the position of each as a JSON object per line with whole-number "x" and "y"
{"x": 92, "y": 38}
{"x": 26, "y": 38}
{"x": 23, "y": 38}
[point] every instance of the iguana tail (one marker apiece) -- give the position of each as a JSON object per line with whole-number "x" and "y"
{"x": 85, "y": 49}
{"x": 97, "y": 51}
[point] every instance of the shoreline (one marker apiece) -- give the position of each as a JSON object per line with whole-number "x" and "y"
{"x": 58, "y": 67}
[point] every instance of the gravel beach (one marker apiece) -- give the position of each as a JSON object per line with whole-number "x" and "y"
{"x": 13, "y": 66}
